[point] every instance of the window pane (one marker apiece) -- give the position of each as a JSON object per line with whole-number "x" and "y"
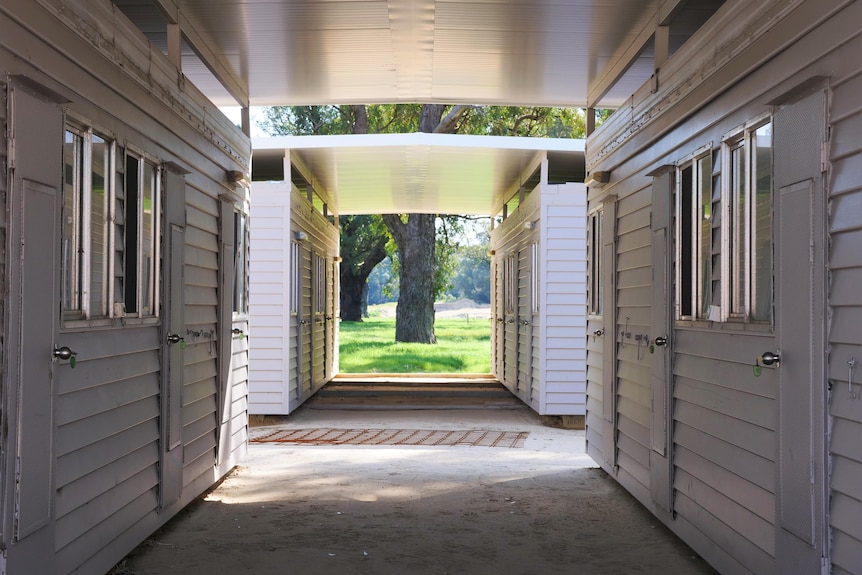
{"x": 130, "y": 276}
{"x": 73, "y": 159}
{"x": 239, "y": 289}
{"x": 686, "y": 242}
{"x": 737, "y": 226}
{"x": 148, "y": 226}
{"x": 761, "y": 297}
{"x": 294, "y": 277}
{"x": 595, "y": 264}
{"x": 704, "y": 170}
{"x": 99, "y": 179}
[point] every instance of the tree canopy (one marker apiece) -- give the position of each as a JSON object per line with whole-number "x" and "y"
{"x": 425, "y": 256}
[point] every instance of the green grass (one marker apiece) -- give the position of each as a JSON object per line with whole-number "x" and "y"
{"x": 369, "y": 347}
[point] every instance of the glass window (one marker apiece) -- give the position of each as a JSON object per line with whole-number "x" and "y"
{"x": 320, "y": 291}
{"x": 140, "y": 252}
{"x": 534, "y": 278}
{"x": 594, "y": 270}
{"x": 694, "y": 238}
{"x": 511, "y": 285}
{"x": 294, "y": 277}
{"x": 749, "y": 228}
{"x": 240, "y": 271}
{"x": 87, "y": 195}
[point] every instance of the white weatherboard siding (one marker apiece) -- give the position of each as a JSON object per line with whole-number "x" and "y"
{"x": 562, "y": 299}
{"x": 845, "y": 297}
{"x": 725, "y": 473}
{"x": 271, "y": 384}
{"x": 293, "y": 354}
{"x": 544, "y": 363}
{"x": 111, "y": 484}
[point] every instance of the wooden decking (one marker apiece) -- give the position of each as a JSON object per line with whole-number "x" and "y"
{"x": 409, "y": 391}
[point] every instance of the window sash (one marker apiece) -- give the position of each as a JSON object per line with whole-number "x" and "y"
{"x": 240, "y": 293}
{"x": 693, "y": 229}
{"x": 142, "y": 248}
{"x": 534, "y": 278}
{"x": 294, "y": 277}
{"x": 88, "y": 193}
{"x": 594, "y": 270}
{"x": 748, "y": 233}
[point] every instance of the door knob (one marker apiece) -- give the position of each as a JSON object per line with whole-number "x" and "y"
{"x": 770, "y": 358}
{"x": 660, "y": 341}
{"x": 599, "y": 332}
{"x": 176, "y": 338}
{"x": 65, "y": 353}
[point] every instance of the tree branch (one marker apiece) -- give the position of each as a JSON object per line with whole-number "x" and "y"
{"x": 449, "y": 122}
{"x": 396, "y": 227}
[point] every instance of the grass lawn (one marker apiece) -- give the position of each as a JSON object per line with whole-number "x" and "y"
{"x": 462, "y": 347}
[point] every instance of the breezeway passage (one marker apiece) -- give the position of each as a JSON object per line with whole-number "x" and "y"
{"x": 351, "y": 509}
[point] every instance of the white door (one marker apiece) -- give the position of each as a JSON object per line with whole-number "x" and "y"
{"x": 33, "y": 364}
{"x": 173, "y": 340}
{"x": 661, "y": 375}
{"x": 800, "y": 250}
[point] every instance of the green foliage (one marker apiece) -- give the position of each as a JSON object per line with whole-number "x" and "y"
{"x": 457, "y": 273}
{"x": 473, "y": 276}
{"x": 382, "y": 283}
{"x": 306, "y": 120}
{"x": 462, "y": 347}
{"x": 524, "y": 121}
{"x": 360, "y": 236}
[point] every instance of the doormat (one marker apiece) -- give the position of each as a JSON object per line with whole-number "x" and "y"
{"x": 329, "y": 436}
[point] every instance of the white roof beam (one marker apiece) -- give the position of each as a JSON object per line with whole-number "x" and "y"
{"x": 219, "y": 68}
{"x": 626, "y": 55}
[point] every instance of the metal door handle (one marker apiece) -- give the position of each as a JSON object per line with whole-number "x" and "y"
{"x": 175, "y": 338}
{"x": 599, "y": 332}
{"x": 525, "y": 322}
{"x": 64, "y": 353}
{"x": 660, "y": 341}
{"x": 770, "y": 358}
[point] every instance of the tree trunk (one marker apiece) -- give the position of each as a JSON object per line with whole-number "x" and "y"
{"x": 414, "y": 314}
{"x": 363, "y": 246}
{"x": 351, "y": 296}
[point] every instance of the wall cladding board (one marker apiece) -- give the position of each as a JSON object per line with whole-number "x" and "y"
{"x": 845, "y": 297}
{"x": 725, "y": 428}
{"x": 108, "y": 408}
{"x": 273, "y": 383}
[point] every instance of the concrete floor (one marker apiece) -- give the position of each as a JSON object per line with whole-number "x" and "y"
{"x": 538, "y": 509}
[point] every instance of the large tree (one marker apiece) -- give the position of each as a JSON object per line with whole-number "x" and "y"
{"x": 363, "y": 246}
{"x": 420, "y": 259}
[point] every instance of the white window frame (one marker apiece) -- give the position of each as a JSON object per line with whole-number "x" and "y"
{"x": 741, "y": 309}
{"x": 693, "y": 308}
{"x": 595, "y": 242}
{"x": 240, "y": 264}
{"x": 320, "y": 292}
{"x": 535, "y": 292}
{"x": 295, "y": 266}
{"x": 510, "y": 286}
{"x": 77, "y": 256}
{"x": 152, "y": 307}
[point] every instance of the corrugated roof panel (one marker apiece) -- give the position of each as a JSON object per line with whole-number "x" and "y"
{"x": 538, "y": 52}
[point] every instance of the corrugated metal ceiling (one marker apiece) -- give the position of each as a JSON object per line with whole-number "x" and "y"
{"x": 511, "y": 52}
{"x": 410, "y": 173}
{"x": 517, "y": 52}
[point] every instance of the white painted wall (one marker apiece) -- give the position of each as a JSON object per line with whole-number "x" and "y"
{"x": 554, "y": 379}
{"x": 269, "y": 292}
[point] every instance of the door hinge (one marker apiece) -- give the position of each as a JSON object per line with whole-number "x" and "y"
{"x": 824, "y": 156}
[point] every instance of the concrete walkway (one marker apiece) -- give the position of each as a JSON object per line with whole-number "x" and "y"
{"x": 541, "y": 508}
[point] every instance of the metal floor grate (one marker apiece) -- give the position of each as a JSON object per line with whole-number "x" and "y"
{"x": 329, "y": 436}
